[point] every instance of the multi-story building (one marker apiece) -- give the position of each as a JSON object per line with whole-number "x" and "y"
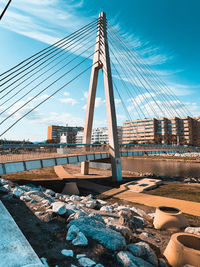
{"x": 55, "y": 132}
{"x": 99, "y": 135}
{"x": 175, "y": 130}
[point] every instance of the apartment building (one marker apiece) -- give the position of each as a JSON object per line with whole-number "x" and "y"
{"x": 99, "y": 135}
{"x": 58, "y": 133}
{"x": 175, "y": 130}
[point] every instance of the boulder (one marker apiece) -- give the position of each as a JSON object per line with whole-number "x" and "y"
{"x": 78, "y": 256}
{"x": 98, "y": 231}
{"x": 128, "y": 260}
{"x": 67, "y": 252}
{"x": 142, "y": 249}
{"x": 50, "y": 192}
{"x": 80, "y": 240}
{"x": 72, "y": 232}
{"x": 59, "y": 208}
{"x": 17, "y": 192}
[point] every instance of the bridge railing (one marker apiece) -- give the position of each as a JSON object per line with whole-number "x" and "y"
{"x": 9, "y": 153}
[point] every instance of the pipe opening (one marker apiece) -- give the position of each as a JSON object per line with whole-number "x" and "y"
{"x": 169, "y": 209}
{"x": 189, "y": 241}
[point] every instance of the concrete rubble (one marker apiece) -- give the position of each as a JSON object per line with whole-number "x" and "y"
{"x": 113, "y": 226}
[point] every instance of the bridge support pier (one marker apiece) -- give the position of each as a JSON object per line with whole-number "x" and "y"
{"x": 101, "y": 60}
{"x": 85, "y": 167}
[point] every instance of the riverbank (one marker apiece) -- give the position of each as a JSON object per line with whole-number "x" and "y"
{"x": 167, "y": 158}
{"x": 45, "y": 217}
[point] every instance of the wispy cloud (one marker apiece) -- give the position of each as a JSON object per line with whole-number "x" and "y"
{"x": 31, "y": 18}
{"x": 69, "y": 100}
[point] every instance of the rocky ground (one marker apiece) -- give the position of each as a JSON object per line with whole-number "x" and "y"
{"x": 85, "y": 230}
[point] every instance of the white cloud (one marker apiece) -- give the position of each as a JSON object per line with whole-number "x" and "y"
{"x": 117, "y": 101}
{"x": 31, "y": 17}
{"x": 99, "y": 102}
{"x": 69, "y": 100}
{"x": 66, "y": 93}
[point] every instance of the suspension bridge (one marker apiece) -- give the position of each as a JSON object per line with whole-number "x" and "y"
{"x": 95, "y": 47}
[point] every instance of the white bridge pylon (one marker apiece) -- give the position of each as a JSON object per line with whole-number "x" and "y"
{"x": 101, "y": 60}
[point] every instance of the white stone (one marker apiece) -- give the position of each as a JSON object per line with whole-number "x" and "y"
{"x": 59, "y": 208}
{"x": 99, "y": 265}
{"x": 17, "y": 192}
{"x": 91, "y": 204}
{"x": 72, "y": 232}
{"x": 75, "y": 198}
{"x": 119, "y": 208}
{"x": 102, "y": 202}
{"x": 78, "y": 256}
{"x": 25, "y": 198}
{"x": 193, "y": 230}
{"x": 86, "y": 262}
{"x": 50, "y": 192}
{"x": 68, "y": 252}
{"x": 3, "y": 181}
{"x": 80, "y": 240}
{"x": 128, "y": 260}
{"x": 106, "y": 209}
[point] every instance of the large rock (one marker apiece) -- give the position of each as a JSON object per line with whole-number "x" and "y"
{"x": 80, "y": 240}
{"x": 72, "y": 232}
{"x": 17, "y": 192}
{"x": 67, "y": 252}
{"x": 86, "y": 262}
{"x": 50, "y": 192}
{"x": 127, "y": 218}
{"x": 128, "y": 260}
{"x": 142, "y": 249}
{"x": 59, "y": 208}
{"x": 98, "y": 231}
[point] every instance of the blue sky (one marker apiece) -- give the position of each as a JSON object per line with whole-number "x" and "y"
{"x": 165, "y": 34}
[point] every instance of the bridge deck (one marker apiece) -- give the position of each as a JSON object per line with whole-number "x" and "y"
{"x": 24, "y": 162}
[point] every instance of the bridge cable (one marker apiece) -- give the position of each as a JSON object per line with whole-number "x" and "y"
{"x": 78, "y": 75}
{"x": 146, "y": 82}
{"x": 167, "y": 106}
{"x": 125, "y": 86}
{"x": 47, "y": 49}
{"x": 156, "y": 77}
{"x": 65, "y": 52}
{"x": 10, "y": 115}
{"x": 35, "y": 63}
{"x": 130, "y": 78}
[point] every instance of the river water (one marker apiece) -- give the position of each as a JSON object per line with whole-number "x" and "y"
{"x": 158, "y": 167}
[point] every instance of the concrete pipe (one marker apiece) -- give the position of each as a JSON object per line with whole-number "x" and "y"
{"x": 183, "y": 249}
{"x": 169, "y": 218}
{"x": 70, "y": 189}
